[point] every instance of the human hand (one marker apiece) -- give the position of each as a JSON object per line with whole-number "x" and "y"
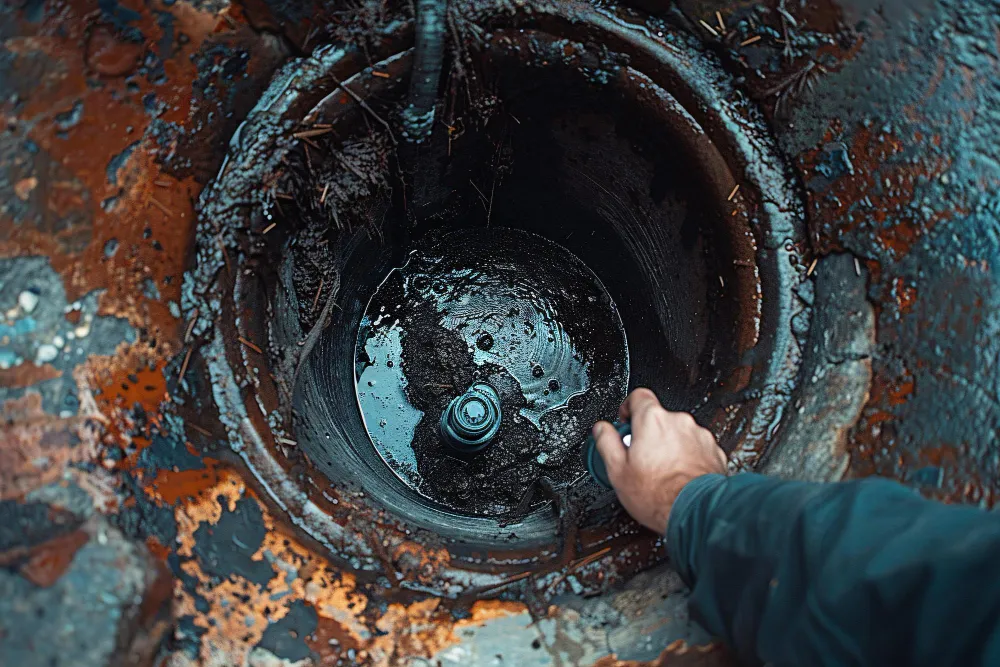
{"x": 668, "y": 450}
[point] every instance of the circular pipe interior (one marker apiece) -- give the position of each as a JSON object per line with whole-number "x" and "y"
{"x": 633, "y": 172}
{"x": 641, "y": 199}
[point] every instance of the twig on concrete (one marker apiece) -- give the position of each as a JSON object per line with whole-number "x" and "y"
{"x": 184, "y": 364}
{"x": 204, "y": 431}
{"x": 364, "y": 105}
{"x": 166, "y": 211}
{"x": 190, "y": 326}
{"x": 583, "y": 562}
{"x": 319, "y": 290}
{"x": 250, "y": 344}
{"x": 306, "y": 134}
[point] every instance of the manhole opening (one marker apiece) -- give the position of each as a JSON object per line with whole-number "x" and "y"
{"x": 587, "y": 168}
{"x": 558, "y": 141}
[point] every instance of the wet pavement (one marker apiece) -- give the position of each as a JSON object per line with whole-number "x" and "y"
{"x": 118, "y": 114}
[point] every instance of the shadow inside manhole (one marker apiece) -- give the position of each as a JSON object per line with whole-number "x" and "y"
{"x": 591, "y": 223}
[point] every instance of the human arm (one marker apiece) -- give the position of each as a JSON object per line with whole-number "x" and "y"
{"x": 795, "y": 573}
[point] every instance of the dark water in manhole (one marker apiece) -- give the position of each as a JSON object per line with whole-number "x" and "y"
{"x": 504, "y": 307}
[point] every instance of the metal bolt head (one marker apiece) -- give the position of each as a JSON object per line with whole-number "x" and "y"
{"x": 471, "y": 420}
{"x": 474, "y": 411}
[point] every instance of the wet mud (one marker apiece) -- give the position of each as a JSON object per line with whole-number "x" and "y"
{"x": 506, "y": 308}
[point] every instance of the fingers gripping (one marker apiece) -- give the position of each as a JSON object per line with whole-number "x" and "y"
{"x": 611, "y": 448}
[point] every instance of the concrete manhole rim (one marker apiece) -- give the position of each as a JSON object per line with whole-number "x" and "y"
{"x": 230, "y": 205}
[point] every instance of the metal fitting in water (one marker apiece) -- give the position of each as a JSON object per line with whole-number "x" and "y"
{"x": 471, "y": 420}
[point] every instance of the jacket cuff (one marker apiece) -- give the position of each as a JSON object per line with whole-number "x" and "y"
{"x": 682, "y": 529}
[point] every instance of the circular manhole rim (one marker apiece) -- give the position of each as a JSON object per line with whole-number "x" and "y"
{"x": 698, "y": 89}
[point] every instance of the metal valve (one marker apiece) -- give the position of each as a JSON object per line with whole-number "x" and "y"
{"x": 471, "y": 420}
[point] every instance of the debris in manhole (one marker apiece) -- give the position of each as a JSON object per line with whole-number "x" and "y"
{"x": 587, "y": 154}
{"x": 501, "y": 307}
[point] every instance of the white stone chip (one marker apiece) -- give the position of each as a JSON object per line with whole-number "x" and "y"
{"x": 28, "y": 300}
{"x": 46, "y": 353}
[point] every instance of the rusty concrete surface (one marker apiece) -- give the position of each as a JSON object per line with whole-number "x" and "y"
{"x": 116, "y": 115}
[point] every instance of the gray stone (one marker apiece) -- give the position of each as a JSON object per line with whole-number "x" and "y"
{"x": 109, "y": 607}
{"x": 35, "y": 337}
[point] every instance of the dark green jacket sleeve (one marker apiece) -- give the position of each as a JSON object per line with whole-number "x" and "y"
{"x": 853, "y": 573}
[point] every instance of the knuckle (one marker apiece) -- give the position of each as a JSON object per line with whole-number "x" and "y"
{"x": 685, "y": 420}
{"x": 659, "y": 417}
{"x": 643, "y": 392}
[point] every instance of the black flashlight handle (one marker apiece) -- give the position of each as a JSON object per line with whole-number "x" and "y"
{"x": 592, "y": 458}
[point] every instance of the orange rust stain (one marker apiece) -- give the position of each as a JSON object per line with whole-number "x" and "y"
{"x": 872, "y": 452}
{"x": 417, "y": 562}
{"x": 231, "y": 602}
{"x": 420, "y": 628}
{"x": 486, "y": 610}
{"x": 875, "y": 272}
{"x": 205, "y": 507}
{"x": 157, "y": 548}
{"x": 898, "y": 239}
{"x": 901, "y": 391}
{"x": 945, "y": 455}
{"x": 167, "y": 212}
{"x": 151, "y": 219}
{"x": 136, "y": 378}
{"x": 426, "y": 627}
{"x": 866, "y": 439}
{"x": 961, "y": 473}
{"x": 901, "y": 394}
{"x": 331, "y": 640}
{"x": 132, "y": 377}
{"x": 75, "y": 207}
{"x": 73, "y": 178}
{"x": 171, "y": 486}
{"x": 48, "y": 561}
{"x": 109, "y": 56}
{"x": 332, "y": 592}
{"x": 889, "y": 186}
{"x": 26, "y": 375}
